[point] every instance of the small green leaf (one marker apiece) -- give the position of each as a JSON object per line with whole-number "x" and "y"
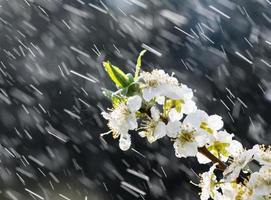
{"x": 178, "y": 105}
{"x": 139, "y": 63}
{"x": 170, "y": 103}
{"x": 116, "y": 75}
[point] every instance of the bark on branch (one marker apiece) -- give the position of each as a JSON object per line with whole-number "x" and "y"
{"x": 203, "y": 150}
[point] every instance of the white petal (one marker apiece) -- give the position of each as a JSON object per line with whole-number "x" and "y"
{"x": 185, "y": 150}
{"x": 125, "y": 142}
{"x": 174, "y": 115}
{"x": 160, "y": 130}
{"x": 223, "y": 136}
{"x": 131, "y": 122}
{"x": 202, "y": 159}
{"x": 173, "y": 128}
{"x": 215, "y": 122}
{"x": 189, "y": 106}
{"x": 155, "y": 113}
{"x": 235, "y": 148}
{"x": 171, "y": 91}
{"x": 190, "y": 149}
{"x": 134, "y": 103}
{"x": 187, "y": 92}
{"x": 160, "y": 100}
{"x": 149, "y": 93}
{"x": 202, "y": 138}
{"x": 196, "y": 118}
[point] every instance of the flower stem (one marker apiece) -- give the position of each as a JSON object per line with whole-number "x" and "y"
{"x": 204, "y": 151}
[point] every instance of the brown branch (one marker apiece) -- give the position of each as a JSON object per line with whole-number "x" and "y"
{"x": 204, "y": 151}
{"x": 222, "y": 166}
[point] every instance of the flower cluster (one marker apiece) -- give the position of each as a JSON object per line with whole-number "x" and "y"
{"x": 155, "y": 105}
{"x": 238, "y": 181}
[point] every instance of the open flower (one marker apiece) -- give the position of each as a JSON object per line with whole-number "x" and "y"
{"x": 152, "y": 127}
{"x": 123, "y": 118}
{"x": 204, "y": 124}
{"x": 191, "y": 131}
{"x": 186, "y": 138}
{"x": 239, "y": 163}
{"x": 222, "y": 146}
{"x": 185, "y": 144}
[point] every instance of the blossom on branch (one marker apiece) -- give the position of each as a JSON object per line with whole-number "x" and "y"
{"x": 155, "y": 106}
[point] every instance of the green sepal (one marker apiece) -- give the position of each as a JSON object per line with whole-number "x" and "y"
{"x": 115, "y": 97}
{"x": 117, "y": 100}
{"x": 219, "y": 148}
{"x": 133, "y": 89}
{"x": 117, "y": 75}
{"x": 170, "y": 103}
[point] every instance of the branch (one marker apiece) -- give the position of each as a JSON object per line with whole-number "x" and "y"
{"x": 203, "y": 150}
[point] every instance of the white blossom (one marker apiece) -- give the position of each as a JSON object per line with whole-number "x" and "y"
{"x": 204, "y": 124}
{"x": 169, "y": 109}
{"x": 152, "y": 127}
{"x": 186, "y": 139}
{"x": 239, "y": 163}
{"x": 222, "y": 146}
{"x": 123, "y": 118}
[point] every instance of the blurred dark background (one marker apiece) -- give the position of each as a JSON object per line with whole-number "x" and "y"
{"x": 50, "y": 122}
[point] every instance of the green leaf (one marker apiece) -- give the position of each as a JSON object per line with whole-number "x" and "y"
{"x": 116, "y": 75}
{"x": 139, "y": 63}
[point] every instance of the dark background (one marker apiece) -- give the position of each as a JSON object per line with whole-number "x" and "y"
{"x": 41, "y": 99}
